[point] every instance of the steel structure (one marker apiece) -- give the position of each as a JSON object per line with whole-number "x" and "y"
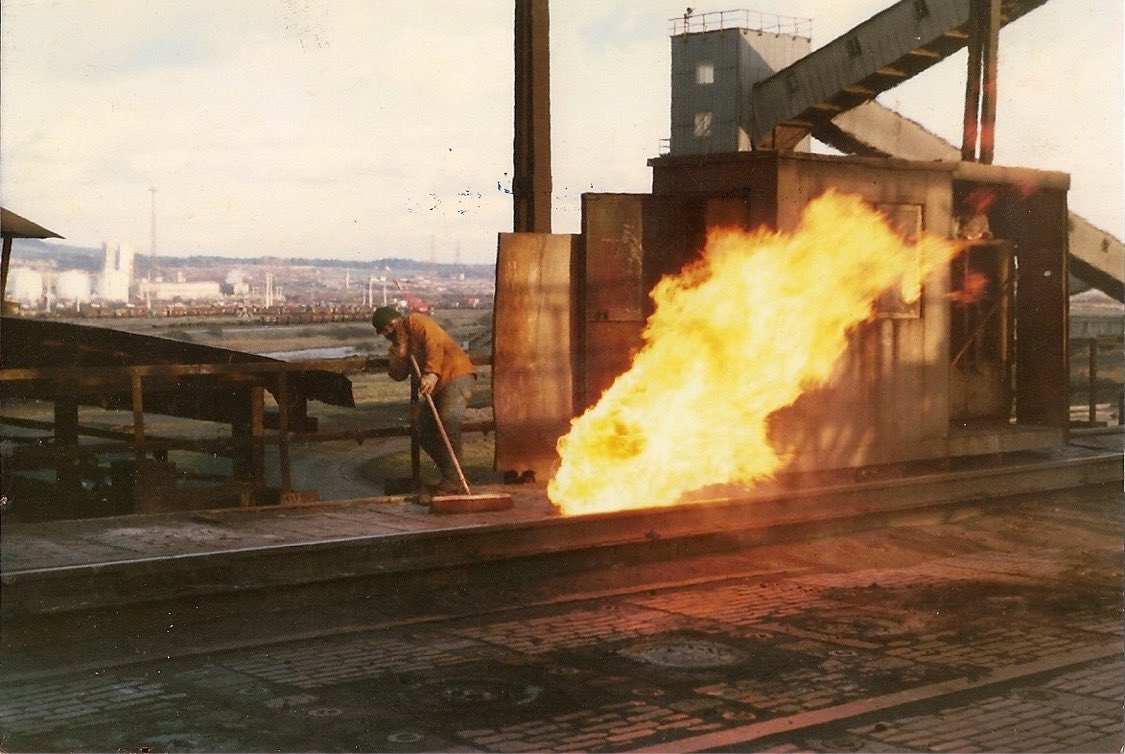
{"x": 875, "y": 56}
{"x": 531, "y": 178}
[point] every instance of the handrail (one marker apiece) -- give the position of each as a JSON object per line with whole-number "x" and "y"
{"x": 742, "y": 18}
{"x": 1091, "y": 345}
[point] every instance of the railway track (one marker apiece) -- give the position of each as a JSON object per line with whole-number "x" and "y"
{"x": 990, "y": 617}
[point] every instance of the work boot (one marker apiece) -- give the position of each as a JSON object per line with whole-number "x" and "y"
{"x": 444, "y": 487}
{"x": 449, "y": 487}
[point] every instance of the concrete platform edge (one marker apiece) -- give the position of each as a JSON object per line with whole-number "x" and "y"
{"x": 99, "y": 585}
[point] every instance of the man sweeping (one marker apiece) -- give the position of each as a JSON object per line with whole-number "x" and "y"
{"x": 447, "y": 376}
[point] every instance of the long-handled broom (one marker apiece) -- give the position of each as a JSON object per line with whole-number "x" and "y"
{"x": 468, "y": 502}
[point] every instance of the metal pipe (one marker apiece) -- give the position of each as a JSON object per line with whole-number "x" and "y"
{"x": 138, "y": 418}
{"x": 1093, "y": 379}
{"x": 283, "y": 430}
{"x": 991, "y": 65}
{"x": 257, "y": 431}
{"x": 977, "y": 332}
{"x": 531, "y": 175}
{"x": 972, "y": 84}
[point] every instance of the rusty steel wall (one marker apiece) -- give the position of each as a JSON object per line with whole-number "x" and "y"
{"x": 892, "y": 397}
{"x": 534, "y": 341}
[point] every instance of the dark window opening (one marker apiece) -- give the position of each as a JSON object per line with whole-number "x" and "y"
{"x": 981, "y": 284}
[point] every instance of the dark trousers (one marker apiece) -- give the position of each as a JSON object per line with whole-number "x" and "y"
{"x": 451, "y": 402}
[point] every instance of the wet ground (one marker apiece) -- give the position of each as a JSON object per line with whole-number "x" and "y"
{"x": 997, "y": 630}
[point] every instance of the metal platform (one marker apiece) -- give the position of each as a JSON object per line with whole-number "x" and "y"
{"x": 56, "y": 567}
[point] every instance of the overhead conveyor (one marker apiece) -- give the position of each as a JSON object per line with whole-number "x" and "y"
{"x": 829, "y": 94}
{"x": 875, "y": 56}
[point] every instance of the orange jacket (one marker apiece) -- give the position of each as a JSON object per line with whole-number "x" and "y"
{"x": 433, "y": 348}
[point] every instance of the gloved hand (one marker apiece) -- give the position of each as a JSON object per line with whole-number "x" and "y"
{"x": 428, "y": 383}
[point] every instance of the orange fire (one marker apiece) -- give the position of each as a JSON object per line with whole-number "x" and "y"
{"x": 758, "y": 320}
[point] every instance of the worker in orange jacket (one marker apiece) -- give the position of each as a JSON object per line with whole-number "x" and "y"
{"x": 447, "y": 377}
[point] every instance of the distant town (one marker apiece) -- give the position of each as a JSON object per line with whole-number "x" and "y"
{"x": 51, "y": 279}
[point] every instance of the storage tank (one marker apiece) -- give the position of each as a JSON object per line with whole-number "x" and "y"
{"x": 25, "y": 286}
{"x": 73, "y": 285}
{"x": 114, "y": 286}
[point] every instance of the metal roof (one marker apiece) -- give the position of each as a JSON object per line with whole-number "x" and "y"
{"x": 14, "y": 226}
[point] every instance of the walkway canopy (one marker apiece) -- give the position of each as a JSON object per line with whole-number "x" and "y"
{"x": 14, "y": 226}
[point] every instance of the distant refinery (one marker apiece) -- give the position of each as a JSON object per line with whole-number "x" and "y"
{"x": 126, "y": 286}
{"x": 116, "y": 284}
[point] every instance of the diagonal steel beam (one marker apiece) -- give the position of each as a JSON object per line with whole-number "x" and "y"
{"x": 892, "y": 46}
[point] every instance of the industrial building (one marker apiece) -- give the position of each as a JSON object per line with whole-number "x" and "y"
{"x": 745, "y": 101}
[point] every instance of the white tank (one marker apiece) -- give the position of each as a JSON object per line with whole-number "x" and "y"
{"x": 73, "y": 285}
{"x": 114, "y": 286}
{"x": 24, "y": 285}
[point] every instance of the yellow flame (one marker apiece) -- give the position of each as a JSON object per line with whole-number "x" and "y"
{"x": 735, "y": 336}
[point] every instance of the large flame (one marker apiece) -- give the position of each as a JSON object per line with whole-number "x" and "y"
{"x": 735, "y": 336}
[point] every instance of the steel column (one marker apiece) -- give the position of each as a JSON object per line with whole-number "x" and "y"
{"x": 1093, "y": 375}
{"x": 991, "y": 40}
{"x": 283, "y": 430}
{"x": 138, "y": 417}
{"x": 5, "y": 258}
{"x": 66, "y": 434}
{"x": 972, "y": 84}
{"x": 531, "y": 176}
{"x": 980, "y": 83}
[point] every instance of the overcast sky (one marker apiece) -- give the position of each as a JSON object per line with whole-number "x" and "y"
{"x": 360, "y": 129}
